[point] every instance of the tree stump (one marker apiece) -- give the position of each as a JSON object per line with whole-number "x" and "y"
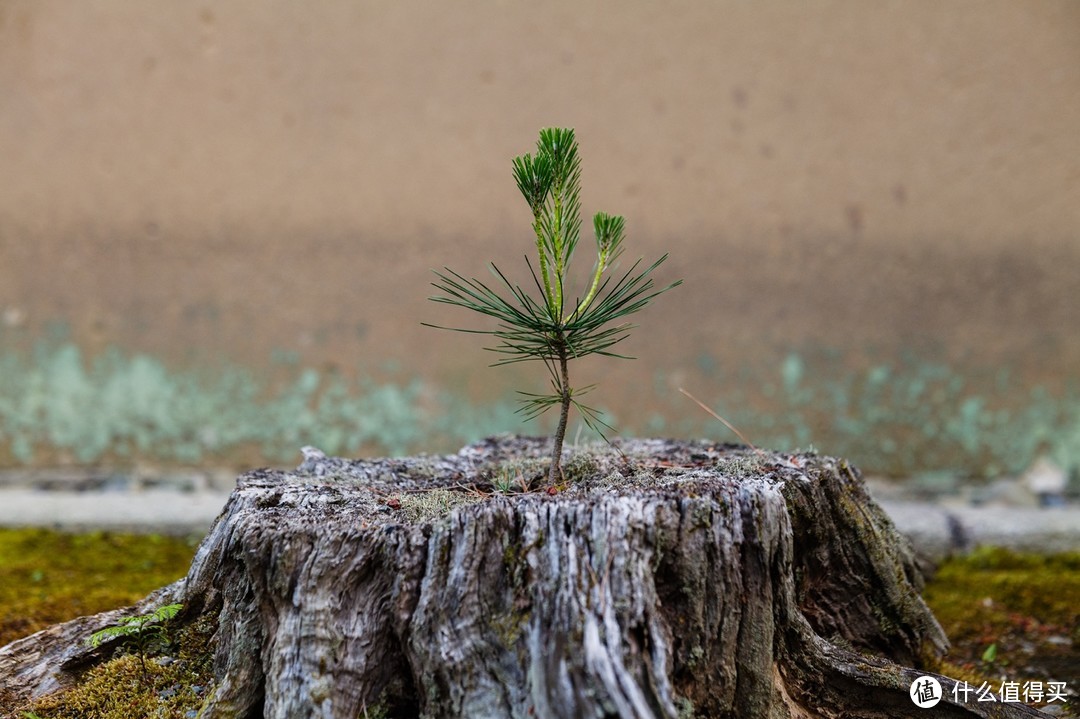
{"x": 663, "y": 579}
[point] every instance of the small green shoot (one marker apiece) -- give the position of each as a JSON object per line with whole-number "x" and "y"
{"x": 503, "y": 482}
{"x": 141, "y": 633}
{"x": 510, "y": 480}
{"x": 552, "y": 327}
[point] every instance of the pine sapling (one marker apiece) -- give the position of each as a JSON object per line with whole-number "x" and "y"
{"x": 141, "y": 632}
{"x": 549, "y": 326}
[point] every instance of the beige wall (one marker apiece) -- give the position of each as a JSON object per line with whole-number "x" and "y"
{"x": 228, "y": 178}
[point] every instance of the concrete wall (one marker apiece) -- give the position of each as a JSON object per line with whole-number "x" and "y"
{"x": 847, "y": 181}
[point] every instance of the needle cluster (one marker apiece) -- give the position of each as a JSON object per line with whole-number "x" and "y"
{"x": 546, "y": 326}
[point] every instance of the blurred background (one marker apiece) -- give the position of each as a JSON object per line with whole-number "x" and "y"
{"x": 218, "y": 223}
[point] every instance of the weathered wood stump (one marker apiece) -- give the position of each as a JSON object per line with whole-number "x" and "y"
{"x": 664, "y": 579}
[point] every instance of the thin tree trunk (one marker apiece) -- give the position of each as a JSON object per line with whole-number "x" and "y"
{"x": 555, "y": 473}
{"x": 671, "y": 580}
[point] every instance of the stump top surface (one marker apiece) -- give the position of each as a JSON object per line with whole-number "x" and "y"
{"x": 426, "y": 487}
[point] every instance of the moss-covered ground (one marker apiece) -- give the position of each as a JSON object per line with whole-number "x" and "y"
{"x": 1022, "y": 605}
{"x": 1010, "y": 617}
{"x": 173, "y": 683}
{"x": 48, "y": 577}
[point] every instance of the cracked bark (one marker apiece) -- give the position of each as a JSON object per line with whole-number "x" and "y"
{"x": 674, "y": 575}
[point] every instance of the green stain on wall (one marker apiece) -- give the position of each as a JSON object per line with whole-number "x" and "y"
{"x": 902, "y": 417}
{"x": 54, "y": 401}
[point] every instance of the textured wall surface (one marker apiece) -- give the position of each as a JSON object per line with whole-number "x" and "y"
{"x": 857, "y": 183}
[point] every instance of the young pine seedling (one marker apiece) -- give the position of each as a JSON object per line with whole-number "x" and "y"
{"x": 550, "y": 326}
{"x": 142, "y": 633}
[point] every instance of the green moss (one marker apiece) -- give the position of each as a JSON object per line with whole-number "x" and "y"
{"x": 697, "y": 653}
{"x": 518, "y": 475}
{"x": 434, "y": 504}
{"x": 509, "y": 626}
{"x": 1025, "y": 604}
{"x": 48, "y": 577}
{"x": 379, "y": 711}
{"x": 119, "y": 688}
{"x": 581, "y": 466}
{"x": 992, "y": 588}
{"x": 685, "y": 707}
{"x": 740, "y": 466}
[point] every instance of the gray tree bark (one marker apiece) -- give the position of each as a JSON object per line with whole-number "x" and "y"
{"x": 665, "y": 580}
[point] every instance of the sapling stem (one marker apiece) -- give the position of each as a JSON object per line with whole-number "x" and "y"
{"x": 555, "y": 473}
